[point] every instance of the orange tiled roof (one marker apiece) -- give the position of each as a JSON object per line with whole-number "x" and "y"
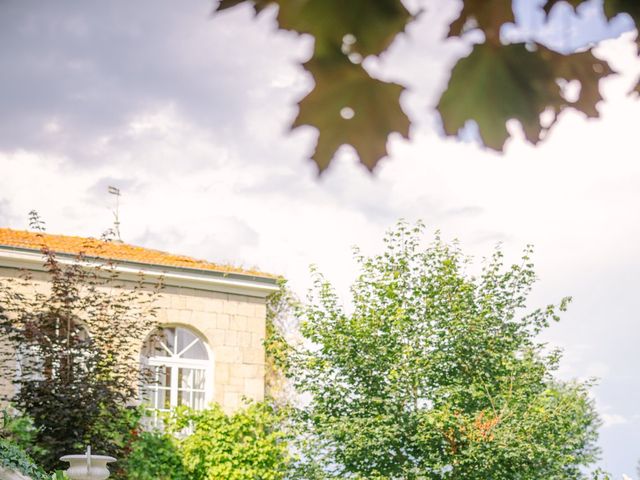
{"x": 112, "y": 250}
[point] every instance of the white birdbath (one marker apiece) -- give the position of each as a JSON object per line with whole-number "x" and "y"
{"x": 87, "y": 466}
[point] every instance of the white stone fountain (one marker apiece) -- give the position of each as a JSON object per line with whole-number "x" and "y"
{"x": 87, "y": 466}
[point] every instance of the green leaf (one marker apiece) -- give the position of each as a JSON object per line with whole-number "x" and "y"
{"x": 494, "y": 84}
{"x": 373, "y": 25}
{"x": 247, "y": 444}
{"x": 586, "y": 69}
{"x": 488, "y": 15}
{"x": 341, "y": 85}
{"x": 498, "y": 83}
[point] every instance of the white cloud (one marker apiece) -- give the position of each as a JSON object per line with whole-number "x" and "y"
{"x": 612, "y": 419}
{"x": 207, "y": 169}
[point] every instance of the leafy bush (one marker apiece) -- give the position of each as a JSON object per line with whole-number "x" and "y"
{"x": 154, "y": 456}
{"x": 210, "y": 444}
{"x": 19, "y": 429}
{"x": 245, "y": 445}
{"x": 115, "y": 432}
{"x": 17, "y": 434}
{"x": 12, "y": 457}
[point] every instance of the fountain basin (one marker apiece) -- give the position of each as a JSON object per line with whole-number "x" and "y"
{"x": 88, "y": 467}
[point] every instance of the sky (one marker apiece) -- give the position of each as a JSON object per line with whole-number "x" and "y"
{"x": 188, "y": 113}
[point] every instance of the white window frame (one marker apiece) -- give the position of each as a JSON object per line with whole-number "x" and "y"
{"x": 175, "y": 362}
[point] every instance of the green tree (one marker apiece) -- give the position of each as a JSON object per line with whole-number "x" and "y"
{"x": 495, "y": 83}
{"x": 70, "y": 336}
{"x": 437, "y": 374}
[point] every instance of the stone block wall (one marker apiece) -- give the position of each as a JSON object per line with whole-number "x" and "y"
{"x": 233, "y": 327}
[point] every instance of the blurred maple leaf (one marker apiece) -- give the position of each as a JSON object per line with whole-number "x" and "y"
{"x": 347, "y": 106}
{"x": 494, "y": 84}
{"x": 487, "y": 15}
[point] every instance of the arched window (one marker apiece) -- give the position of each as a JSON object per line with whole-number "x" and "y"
{"x": 177, "y": 370}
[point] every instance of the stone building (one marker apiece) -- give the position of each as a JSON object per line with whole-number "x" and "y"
{"x": 212, "y": 316}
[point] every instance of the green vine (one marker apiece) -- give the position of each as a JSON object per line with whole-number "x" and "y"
{"x": 14, "y": 458}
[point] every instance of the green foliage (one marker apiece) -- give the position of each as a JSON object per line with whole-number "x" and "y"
{"x": 16, "y": 434}
{"x": 71, "y": 342}
{"x": 244, "y": 445}
{"x": 248, "y": 444}
{"x": 437, "y": 374}
{"x": 600, "y": 474}
{"x": 154, "y": 456}
{"x": 17, "y": 428}
{"x": 525, "y": 81}
{"x": 12, "y": 457}
{"x": 210, "y": 444}
{"x": 374, "y": 110}
{"x": 280, "y": 322}
{"x": 114, "y": 432}
{"x": 374, "y": 24}
{"x": 504, "y": 78}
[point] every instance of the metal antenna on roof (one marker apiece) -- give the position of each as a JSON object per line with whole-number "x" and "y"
{"x": 116, "y": 223}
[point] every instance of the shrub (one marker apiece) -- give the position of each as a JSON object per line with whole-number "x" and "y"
{"x": 12, "y": 457}
{"x": 245, "y": 445}
{"x": 154, "y": 456}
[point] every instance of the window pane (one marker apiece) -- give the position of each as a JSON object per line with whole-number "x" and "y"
{"x": 190, "y": 346}
{"x": 167, "y": 342}
{"x": 198, "y": 400}
{"x": 184, "y": 397}
{"x": 163, "y": 399}
{"x": 185, "y": 337}
{"x": 163, "y": 376}
{"x": 170, "y": 338}
{"x": 198, "y": 379}
{"x": 197, "y": 351}
{"x": 185, "y": 378}
{"x": 159, "y": 343}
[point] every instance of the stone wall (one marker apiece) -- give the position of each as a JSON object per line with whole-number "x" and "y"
{"x": 233, "y": 327}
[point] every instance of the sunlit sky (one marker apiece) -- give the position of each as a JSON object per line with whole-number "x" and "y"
{"x": 187, "y": 113}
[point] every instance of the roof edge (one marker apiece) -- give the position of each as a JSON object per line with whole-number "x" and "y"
{"x": 211, "y": 280}
{"x": 116, "y": 251}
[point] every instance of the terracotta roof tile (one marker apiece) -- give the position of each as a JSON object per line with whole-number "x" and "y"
{"x": 112, "y": 250}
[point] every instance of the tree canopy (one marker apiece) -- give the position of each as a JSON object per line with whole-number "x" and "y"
{"x": 497, "y": 82}
{"x": 437, "y": 374}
